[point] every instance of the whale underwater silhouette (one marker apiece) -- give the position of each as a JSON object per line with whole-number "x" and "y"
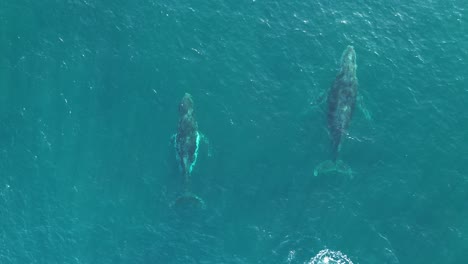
{"x": 341, "y": 101}
{"x": 186, "y": 144}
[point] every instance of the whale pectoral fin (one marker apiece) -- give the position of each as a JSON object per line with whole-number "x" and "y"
{"x": 313, "y": 105}
{"x": 172, "y": 139}
{"x": 319, "y": 100}
{"x": 207, "y": 142}
{"x": 363, "y": 107}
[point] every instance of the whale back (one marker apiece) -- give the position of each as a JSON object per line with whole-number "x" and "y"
{"x": 342, "y": 99}
{"x": 187, "y": 135}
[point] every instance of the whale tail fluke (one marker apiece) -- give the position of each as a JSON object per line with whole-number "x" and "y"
{"x": 189, "y": 200}
{"x": 333, "y": 166}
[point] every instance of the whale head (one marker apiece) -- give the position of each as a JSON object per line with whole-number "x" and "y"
{"x": 348, "y": 61}
{"x": 186, "y": 105}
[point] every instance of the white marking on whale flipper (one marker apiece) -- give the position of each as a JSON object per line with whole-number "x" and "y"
{"x": 195, "y": 155}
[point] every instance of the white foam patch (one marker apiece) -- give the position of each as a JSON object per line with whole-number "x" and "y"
{"x": 327, "y": 256}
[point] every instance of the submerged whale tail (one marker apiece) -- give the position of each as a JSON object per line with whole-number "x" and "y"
{"x": 333, "y": 166}
{"x": 188, "y": 200}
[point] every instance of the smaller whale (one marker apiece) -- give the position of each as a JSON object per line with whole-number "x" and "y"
{"x": 186, "y": 144}
{"x": 341, "y": 102}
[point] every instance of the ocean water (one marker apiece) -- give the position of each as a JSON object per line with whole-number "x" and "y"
{"x": 89, "y": 92}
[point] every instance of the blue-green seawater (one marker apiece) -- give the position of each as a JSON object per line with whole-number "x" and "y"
{"x": 89, "y": 94}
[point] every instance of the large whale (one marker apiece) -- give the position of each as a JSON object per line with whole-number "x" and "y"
{"x": 187, "y": 143}
{"x": 341, "y": 101}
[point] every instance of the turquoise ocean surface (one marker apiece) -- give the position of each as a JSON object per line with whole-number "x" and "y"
{"x": 89, "y": 94}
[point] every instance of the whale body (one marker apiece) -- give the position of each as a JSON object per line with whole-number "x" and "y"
{"x": 341, "y": 100}
{"x": 187, "y": 143}
{"x": 187, "y": 139}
